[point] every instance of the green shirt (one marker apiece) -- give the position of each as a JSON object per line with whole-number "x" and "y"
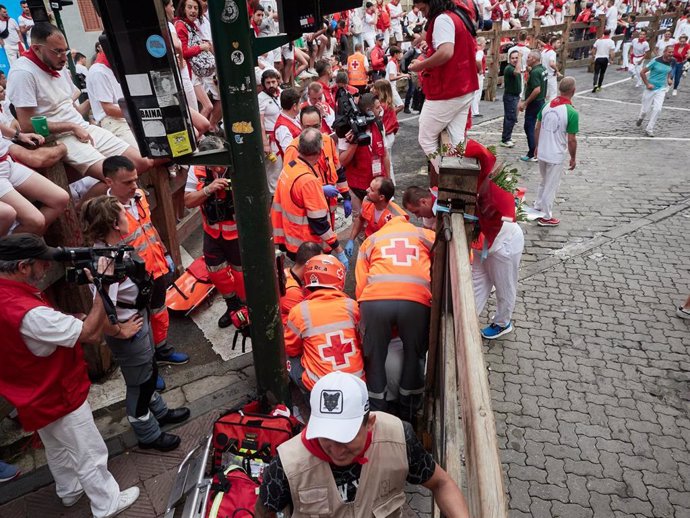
{"x": 537, "y": 77}
{"x": 512, "y": 82}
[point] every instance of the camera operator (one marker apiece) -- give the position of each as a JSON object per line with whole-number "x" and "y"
{"x": 43, "y": 374}
{"x": 363, "y": 153}
{"x": 105, "y": 223}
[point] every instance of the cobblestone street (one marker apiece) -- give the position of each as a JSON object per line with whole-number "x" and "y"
{"x": 591, "y": 392}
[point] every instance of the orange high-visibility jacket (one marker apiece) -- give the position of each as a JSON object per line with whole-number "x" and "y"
{"x": 368, "y": 214}
{"x": 144, "y": 237}
{"x": 357, "y": 69}
{"x": 395, "y": 263}
{"x": 323, "y": 329}
{"x": 225, "y": 229}
{"x": 299, "y": 207}
{"x": 294, "y": 294}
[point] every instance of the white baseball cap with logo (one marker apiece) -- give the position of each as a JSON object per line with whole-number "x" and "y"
{"x": 339, "y": 402}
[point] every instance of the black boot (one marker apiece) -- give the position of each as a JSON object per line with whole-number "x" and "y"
{"x": 407, "y": 109}
{"x": 233, "y": 304}
{"x": 175, "y": 415}
{"x": 165, "y": 442}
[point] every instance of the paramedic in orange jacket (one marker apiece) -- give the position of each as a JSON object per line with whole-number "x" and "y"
{"x": 331, "y": 173}
{"x": 394, "y": 290}
{"x": 377, "y": 210}
{"x": 209, "y": 188}
{"x": 121, "y": 178}
{"x": 294, "y": 279}
{"x": 300, "y": 211}
{"x": 321, "y": 334}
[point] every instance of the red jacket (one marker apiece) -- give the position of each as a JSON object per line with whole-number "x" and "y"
{"x": 377, "y": 56}
{"x": 42, "y": 388}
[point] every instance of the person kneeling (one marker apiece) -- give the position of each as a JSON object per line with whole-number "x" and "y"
{"x": 130, "y": 340}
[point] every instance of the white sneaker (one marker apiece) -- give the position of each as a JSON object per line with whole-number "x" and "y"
{"x": 675, "y": 92}
{"x": 649, "y": 133}
{"x": 70, "y": 501}
{"x": 125, "y": 500}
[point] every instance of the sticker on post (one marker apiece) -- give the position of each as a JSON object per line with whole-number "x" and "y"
{"x": 138, "y": 85}
{"x": 155, "y": 45}
{"x": 230, "y": 12}
{"x": 180, "y": 143}
{"x": 237, "y": 57}
{"x": 242, "y": 127}
{"x": 239, "y": 139}
{"x": 164, "y": 86}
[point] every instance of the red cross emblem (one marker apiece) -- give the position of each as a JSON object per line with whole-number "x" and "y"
{"x": 401, "y": 252}
{"x": 337, "y": 349}
{"x": 354, "y": 64}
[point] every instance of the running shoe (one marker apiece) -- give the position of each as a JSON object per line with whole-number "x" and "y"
{"x": 683, "y": 312}
{"x": 495, "y": 331}
{"x": 675, "y": 92}
{"x": 160, "y": 383}
{"x": 529, "y": 158}
{"x": 550, "y": 222}
{"x": 639, "y": 122}
{"x": 174, "y": 358}
{"x": 649, "y": 133}
{"x": 508, "y": 143}
{"x": 8, "y": 471}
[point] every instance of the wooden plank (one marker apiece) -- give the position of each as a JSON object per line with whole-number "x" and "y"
{"x": 451, "y": 442}
{"x": 486, "y": 496}
{"x": 188, "y": 224}
{"x": 164, "y": 217}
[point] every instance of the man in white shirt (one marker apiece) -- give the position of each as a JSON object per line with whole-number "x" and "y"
{"x": 487, "y": 6}
{"x": 269, "y": 109}
{"x": 104, "y": 93}
{"x": 480, "y": 60}
{"x": 549, "y": 60}
{"x": 639, "y": 50}
{"x": 604, "y": 49}
{"x": 39, "y": 85}
{"x": 369, "y": 25}
{"x": 522, "y": 49}
{"x": 396, "y": 13}
{"x": 611, "y": 16}
{"x": 9, "y": 35}
{"x": 664, "y": 42}
{"x": 26, "y": 22}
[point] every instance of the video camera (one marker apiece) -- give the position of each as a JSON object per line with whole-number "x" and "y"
{"x": 123, "y": 265}
{"x": 351, "y": 118}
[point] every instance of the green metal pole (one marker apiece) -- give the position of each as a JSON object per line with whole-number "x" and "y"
{"x": 235, "y": 71}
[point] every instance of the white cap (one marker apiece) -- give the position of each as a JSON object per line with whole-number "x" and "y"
{"x": 339, "y": 402}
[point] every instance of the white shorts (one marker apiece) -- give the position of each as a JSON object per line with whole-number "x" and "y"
{"x": 211, "y": 87}
{"x": 12, "y": 174}
{"x": 82, "y": 155}
{"x": 120, "y": 129}
{"x": 397, "y": 33}
{"x": 288, "y": 51}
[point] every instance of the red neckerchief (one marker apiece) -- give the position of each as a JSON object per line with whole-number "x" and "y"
{"x": 314, "y": 447}
{"x": 548, "y": 48}
{"x": 255, "y": 27}
{"x": 31, "y": 56}
{"x": 521, "y": 45}
{"x": 102, "y": 59}
{"x": 558, "y": 101}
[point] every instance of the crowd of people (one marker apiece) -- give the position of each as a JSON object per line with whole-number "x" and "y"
{"x": 329, "y": 105}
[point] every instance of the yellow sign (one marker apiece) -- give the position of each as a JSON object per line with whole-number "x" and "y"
{"x": 242, "y": 127}
{"x": 179, "y": 143}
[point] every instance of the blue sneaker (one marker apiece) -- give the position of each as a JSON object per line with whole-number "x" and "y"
{"x": 160, "y": 383}
{"x": 528, "y": 159}
{"x": 495, "y": 331}
{"x": 8, "y": 471}
{"x": 174, "y": 358}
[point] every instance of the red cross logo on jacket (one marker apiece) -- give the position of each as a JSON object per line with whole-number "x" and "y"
{"x": 337, "y": 349}
{"x": 401, "y": 252}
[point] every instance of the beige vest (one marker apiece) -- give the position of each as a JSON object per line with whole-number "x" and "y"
{"x": 381, "y": 485}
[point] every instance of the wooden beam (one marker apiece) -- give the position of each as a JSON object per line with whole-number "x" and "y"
{"x": 451, "y": 442}
{"x": 486, "y": 495}
{"x": 164, "y": 217}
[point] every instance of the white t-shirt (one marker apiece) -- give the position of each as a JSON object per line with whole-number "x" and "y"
{"x": 639, "y": 49}
{"x": 414, "y": 19}
{"x": 356, "y": 20}
{"x": 546, "y": 58}
{"x": 269, "y": 107}
{"x": 30, "y": 87}
{"x": 369, "y": 25}
{"x": 6, "y": 117}
{"x": 392, "y": 71}
{"x": 102, "y": 88}
{"x": 45, "y": 329}
{"x": 486, "y": 9}
{"x": 126, "y": 292}
{"x": 270, "y": 8}
{"x": 26, "y": 22}
{"x": 604, "y": 47}
{"x": 662, "y": 44}
{"x": 283, "y": 135}
{"x": 444, "y": 31}
{"x": 12, "y": 40}
{"x": 553, "y": 137}
{"x": 524, "y": 51}
{"x": 396, "y": 12}
{"x": 611, "y": 18}
{"x": 204, "y": 27}
{"x": 81, "y": 69}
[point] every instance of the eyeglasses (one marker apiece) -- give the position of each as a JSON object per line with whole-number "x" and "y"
{"x": 57, "y": 52}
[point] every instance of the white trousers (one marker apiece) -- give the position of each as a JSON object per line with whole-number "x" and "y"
{"x": 388, "y": 141}
{"x": 652, "y": 102}
{"x": 78, "y": 459}
{"x": 626, "y": 53}
{"x": 450, "y": 114}
{"x": 499, "y": 269}
{"x": 551, "y": 88}
{"x": 478, "y": 95}
{"x": 637, "y": 66}
{"x": 550, "y": 180}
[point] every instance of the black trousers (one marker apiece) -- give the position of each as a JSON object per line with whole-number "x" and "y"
{"x": 600, "y": 66}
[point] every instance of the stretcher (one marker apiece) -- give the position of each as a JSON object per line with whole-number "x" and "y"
{"x": 191, "y": 289}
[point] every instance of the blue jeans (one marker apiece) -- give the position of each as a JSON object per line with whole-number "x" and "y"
{"x": 531, "y": 113}
{"x": 677, "y": 74}
{"x": 510, "y": 115}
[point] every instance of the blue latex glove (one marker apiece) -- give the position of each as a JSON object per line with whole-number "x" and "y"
{"x": 171, "y": 265}
{"x": 349, "y": 248}
{"x": 347, "y": 205}
{"x": 330, "y": 191}
{"x": 342, "y": 258}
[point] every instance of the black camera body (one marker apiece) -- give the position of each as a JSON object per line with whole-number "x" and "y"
{"x": 124, "y": 265}
{"x": 220, "y": 206}
{"x": 351, "y": 118}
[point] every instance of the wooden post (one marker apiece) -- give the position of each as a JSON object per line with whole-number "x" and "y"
{"x": 164, "y": 217}
{"x": 564, "y": 44}
{"x": 495, "y": 65}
